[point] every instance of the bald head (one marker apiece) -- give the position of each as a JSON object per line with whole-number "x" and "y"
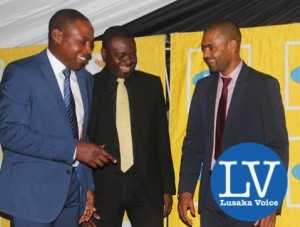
{"x": 221, "y": 46}
{"x": 227, "y": 29}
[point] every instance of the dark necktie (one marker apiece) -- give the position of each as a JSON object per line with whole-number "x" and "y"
{"x": 70, "y": 103}
{"x": 221, "y": 118}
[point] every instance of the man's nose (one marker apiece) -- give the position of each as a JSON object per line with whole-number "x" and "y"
{"x": 206, "y": 53}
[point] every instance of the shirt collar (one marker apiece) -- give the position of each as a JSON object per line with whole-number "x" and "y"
{"x": 235, "y": 73}
{"x": 114, "y": 77}
{"x": 56, "y": 64}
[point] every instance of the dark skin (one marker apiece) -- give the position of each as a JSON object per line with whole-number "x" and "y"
{"x": 120, "y": 57}
{"x": 185, "y": 204}
{"x": 73, "y": 45}
{"x": 220, "y": 47}
{"x": 90, "y": 211}
{"x": 220, "y": 52}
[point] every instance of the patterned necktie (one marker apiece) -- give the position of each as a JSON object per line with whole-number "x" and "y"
{"x": 70, "y": 103}
{"x": 123, "y": 124}
{"x": 221, "y": 118}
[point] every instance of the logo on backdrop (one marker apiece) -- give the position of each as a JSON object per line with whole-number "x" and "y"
{"x": 249, "y": 181}
{"x": 295, "y": 74}
{"x": 199, "y": 76}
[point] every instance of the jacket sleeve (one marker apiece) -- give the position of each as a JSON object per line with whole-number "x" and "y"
{"x": 16, "y": 133}
{"x": 274, "y": 125}
{"x": 191, "y": 158}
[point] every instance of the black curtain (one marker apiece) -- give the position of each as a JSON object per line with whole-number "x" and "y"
{"x": 194, "y": 15}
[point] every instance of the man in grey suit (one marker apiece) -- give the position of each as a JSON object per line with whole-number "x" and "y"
{"x": 235, "y": 104}
{"x": 44, "y": 108}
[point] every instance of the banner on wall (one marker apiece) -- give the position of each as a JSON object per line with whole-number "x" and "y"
{"x": 151, "y": 59}
{"x": 277, "y": 55}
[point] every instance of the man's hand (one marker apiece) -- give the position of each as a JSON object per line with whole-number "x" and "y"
{"x": 93, "y": 155}
{"x": 269, "y": 221}
{"x": 186, "y": 203}
{"x": 168, "y": 201}
{"x": 90, "y": 210}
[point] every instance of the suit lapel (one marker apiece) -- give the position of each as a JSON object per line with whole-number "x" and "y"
{"x": 108, "y": 102}
{"x": 237, "y": 99}
{"x": 51, "y": 81}
{"x": 110, "y": 86}
{"x": 211, "y": 102}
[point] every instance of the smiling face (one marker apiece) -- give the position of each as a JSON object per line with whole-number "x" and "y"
{"x": 217, "y": 51}
{"x": 74, "y": 44}
{"x": 120, "y": 55}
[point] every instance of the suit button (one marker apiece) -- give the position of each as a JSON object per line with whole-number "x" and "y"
{"x": 68, "y": 172}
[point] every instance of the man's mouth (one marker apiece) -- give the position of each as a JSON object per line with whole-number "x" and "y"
{"x": 84, "y": 58}
{"x": 210, "y": 61}
{"x": 125, "y": 68}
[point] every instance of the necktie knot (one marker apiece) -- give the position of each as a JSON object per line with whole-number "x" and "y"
{"x": 226, "y": 82}
{"x": 120, "y": 80}
{"x": 67, "y": 73}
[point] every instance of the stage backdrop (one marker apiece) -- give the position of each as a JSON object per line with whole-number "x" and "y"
{"x": 274, "y": 50}
{"x": 151, "y": 59}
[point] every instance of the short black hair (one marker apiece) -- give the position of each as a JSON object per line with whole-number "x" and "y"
{"x": 64, "y": 17}
{"x": 228, "y": 28}
{"x": 114, "y": 31}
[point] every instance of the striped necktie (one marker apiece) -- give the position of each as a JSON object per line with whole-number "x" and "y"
{"x": 70, "y": 103}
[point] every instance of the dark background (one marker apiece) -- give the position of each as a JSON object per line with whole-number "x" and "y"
{"x": 194, "y": 15}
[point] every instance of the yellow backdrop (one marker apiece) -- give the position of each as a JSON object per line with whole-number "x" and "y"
{"x": 274, "y": 50}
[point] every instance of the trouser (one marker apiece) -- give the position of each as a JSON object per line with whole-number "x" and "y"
{"x": 128, "y": 195}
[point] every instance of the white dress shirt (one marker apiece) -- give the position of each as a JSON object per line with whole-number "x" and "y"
{"x": 58, "y": 67}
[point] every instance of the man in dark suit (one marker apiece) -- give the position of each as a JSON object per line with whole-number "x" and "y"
{"x": 44, "y": 107}
{"x": 252, "y": 112}
{"x": 129, "y": 119}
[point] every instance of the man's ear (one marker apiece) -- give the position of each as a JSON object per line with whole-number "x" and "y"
{"x": 57, "y": 36}
{"x": 234, "y": 45}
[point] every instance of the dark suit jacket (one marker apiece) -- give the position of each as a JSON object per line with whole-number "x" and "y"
{"x": 151, "y": 148}
{"x": 37, "y": 140}
{"x": 255, "y": 114}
